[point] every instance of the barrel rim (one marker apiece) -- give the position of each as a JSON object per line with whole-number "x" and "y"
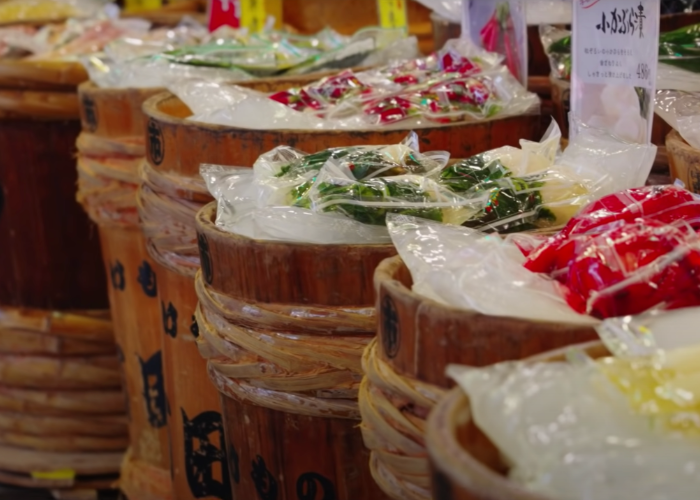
{"x": 151, "y": 109}
{"x": 453, "y": 459}
{"x": 385, "y": 274}
{"x": 206, "y": 225}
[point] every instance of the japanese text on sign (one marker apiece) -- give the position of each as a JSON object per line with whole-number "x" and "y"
{"x": 392, "y": 13}
{"x": 623, "y": 45}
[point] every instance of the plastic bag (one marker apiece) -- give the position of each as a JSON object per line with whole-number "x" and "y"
{"x": 557, "y": 46}
{"x": 654, "y": 365}
{"x": 681, "y": 110}
{"x": 499, "y": 26}
{"x": 469, "y": 269}
{"x": 627, "y": 253}
{"x": 448, "y": 9}
{"x": 567, "y": 432}
{"x": 85, "y": 37}
{"x": 290, "y": 195}
{"x": 235, "y": 55}
{"x": 47, "y": 10}
{"x": 459, "y": 83}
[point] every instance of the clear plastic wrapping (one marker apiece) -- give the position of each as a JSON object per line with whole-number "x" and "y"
{"x": 616, "y": 427}
{"x": 681, "y": 110}
{"x": 500, "y": 26}
{"x": 14, "y": 11}
{"x": 627, "y": 253}
{"x": 343, "y": 195}
{"x": 236, "y": 55}
{"x": 460, "y": 83}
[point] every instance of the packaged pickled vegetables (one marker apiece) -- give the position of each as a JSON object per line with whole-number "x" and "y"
{"x": 504, "y": 190}
{"x": 618, "y": 427}
{"x": 236, "y": 55}
{"x": 22, "y": 11}
{"x": 627, "y": 253}
{"x": 459, "y": 83}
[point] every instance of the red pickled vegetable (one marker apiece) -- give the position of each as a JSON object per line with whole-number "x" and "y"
{"x": 632, "y": 268}
{"x": 665, "y": 204}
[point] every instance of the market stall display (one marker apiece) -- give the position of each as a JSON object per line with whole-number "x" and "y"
{"x": 640, "y": 388}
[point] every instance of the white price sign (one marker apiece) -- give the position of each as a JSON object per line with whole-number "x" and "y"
{"x": 614, "y": 56}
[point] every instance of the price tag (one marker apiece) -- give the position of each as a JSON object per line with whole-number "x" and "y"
{"x": 253, "y": 15}
{"x": 137, "y": 5}
{"x": 392, "y": 13}
{"x": 614, "y": 61}
{"x": 249, "y": 14}
{"x": 56, "y": 475}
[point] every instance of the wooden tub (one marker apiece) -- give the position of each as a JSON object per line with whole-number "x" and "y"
{"x": 290, "y": 407}
{"x": 684, "y": 161}
{"x": 465, "y": 465}
{"x": 405, "y": 369}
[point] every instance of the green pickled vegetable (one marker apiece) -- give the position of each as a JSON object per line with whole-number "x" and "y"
{"x": 467, "y": 174}
{"x": 561, "y": 46}
{"x": 687, "y": 35}
{"x": 375, "y": 190}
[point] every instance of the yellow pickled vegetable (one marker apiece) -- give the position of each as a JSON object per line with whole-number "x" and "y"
{"x": 665, "y": 387}
{"x": 37, "y": 10}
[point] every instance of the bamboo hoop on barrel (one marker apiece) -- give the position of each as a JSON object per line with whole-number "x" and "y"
{"x": 46, "y": 425}
{"x": 287, "y": 356}
{"x": 62, "y": 403}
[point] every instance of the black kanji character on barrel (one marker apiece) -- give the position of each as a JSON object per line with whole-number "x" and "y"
{"x": 116, "y": 272}
{"x": 169, "y": 319}
{"x": 265, "y": 483}
{"x": 205, "y": 447}
{"x": 390, "y": 327}
{"x": 155, "y": 143}
{"x": 147, "y": 279}
{"x": 313, "y": 486}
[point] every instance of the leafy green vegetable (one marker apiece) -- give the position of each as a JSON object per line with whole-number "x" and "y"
{"x": 687, "y": 35}
{"x": 561, "y": 46}
{"x": 467, "y": 174}
{"x": 375, "y": 190}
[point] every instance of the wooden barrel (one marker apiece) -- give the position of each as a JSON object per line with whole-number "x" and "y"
{"x": 111, "y": 148}
{"x": 50, "y": 254}
{"x": 405, "y": 369}
{"x": 168, "y": 201}
{"x": 465, "y": 464}
{"x": 60, "y": 396}
{"x": 684, "y": 161}
{"x": 171, "y": 193}
{"x": 284, "y": 326}
{"x": 176, "y": 145}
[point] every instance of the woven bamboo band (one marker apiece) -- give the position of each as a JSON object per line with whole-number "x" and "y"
{"x": 167, "y": 205}
{"x": 288, "y": 358}
{"x": 39, "y": 104}
{"x": 108, "y": 178}
{"x": 399, "y": 459}
{"x": 65, "y": 372}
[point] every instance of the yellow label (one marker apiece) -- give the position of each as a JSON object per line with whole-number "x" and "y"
{"x": 392, "y": 13}
{"x": 136, "y": 5}
{"x": 62, "y": 474}
{"x": 253, "y": 15}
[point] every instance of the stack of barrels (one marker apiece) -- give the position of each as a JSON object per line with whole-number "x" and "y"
{"x": 62, "y": 414}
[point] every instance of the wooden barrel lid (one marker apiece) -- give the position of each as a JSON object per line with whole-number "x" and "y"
{"x": 41, "y": 75}
{"x": 47, "y": 425}
{"x": 420, "y": 337}
{"x": 286, "y": 273}
{"x": 465, "y": 464}
{"x": 175, "y": 144}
